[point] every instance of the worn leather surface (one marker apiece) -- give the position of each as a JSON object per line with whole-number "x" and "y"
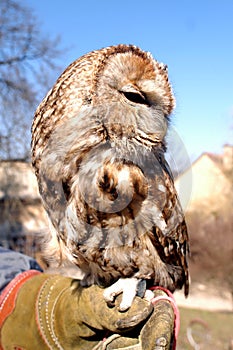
{"x": 54, "y": 312}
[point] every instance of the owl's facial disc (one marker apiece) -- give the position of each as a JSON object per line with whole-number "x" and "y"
{"x": 136, "y": 80}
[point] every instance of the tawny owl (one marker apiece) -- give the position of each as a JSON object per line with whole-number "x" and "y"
{"x": 98, "y": 144}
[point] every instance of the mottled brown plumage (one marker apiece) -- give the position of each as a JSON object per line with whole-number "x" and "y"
{"x": 98, "y": 143}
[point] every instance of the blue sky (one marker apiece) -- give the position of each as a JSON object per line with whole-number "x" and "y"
{"x": 195, "y": 39}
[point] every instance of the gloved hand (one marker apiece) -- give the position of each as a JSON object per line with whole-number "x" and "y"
{"x": 54, "y": 312}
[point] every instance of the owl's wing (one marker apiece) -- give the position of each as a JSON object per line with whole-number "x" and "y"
{"x": 72, "y": 90}
{"x": 57, "y": 161}
{"x": 172, "y": 242}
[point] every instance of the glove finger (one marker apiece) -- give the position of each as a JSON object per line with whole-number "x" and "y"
{"x": 138, "y": 312}
{"x": 98, "y": 314}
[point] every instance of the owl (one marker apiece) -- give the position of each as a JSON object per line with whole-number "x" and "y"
{"x": 98, "y": 150}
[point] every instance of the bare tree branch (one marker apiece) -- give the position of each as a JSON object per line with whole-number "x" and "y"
{"x": 25, "y": 55}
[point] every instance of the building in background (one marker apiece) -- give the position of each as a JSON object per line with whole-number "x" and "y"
{"x": 22, "y": 217}
{"x": 208, "y": 184}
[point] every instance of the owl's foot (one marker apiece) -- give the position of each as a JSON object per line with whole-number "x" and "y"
{"x": 129, "y": 287}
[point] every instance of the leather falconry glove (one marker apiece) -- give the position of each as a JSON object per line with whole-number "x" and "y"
{"x": 41, "y": 311}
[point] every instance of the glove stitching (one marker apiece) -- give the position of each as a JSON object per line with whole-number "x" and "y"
{"x": 39, "y": 312}
{"x": 53, "y": 334}
{"x": 15, "y": 282}
{"x": 50, "y": 317}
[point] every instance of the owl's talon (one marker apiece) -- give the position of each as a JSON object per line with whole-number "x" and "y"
{"x": 141, "y": 288}
{"x": 110, "y": 304}
{"x": 149, "y": 295}
{"x": 127, "y": 286}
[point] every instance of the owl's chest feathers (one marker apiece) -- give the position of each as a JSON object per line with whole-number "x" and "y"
{"x": 105, "y": 265}
{"x": 113, "y": 194}
{"x": 110, "y": 215}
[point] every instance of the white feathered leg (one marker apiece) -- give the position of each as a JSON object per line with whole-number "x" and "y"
{"x": 130, "y": 287}
{"x": 127, "y": 286}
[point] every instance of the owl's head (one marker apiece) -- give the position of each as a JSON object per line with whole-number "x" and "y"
{"x": 128, "y": 74}
{"x": 132, "y": 90}
{"x": 118, "y": 91}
